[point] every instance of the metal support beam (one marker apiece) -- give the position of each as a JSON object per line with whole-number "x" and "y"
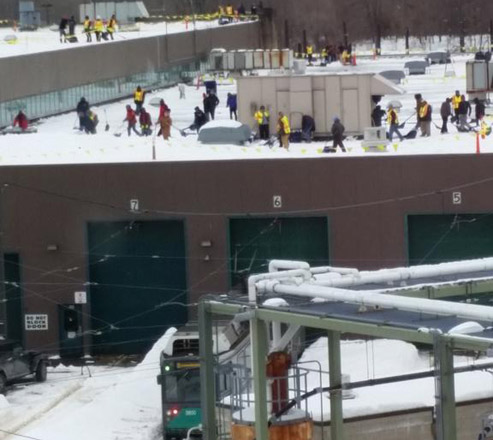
{"x": 335, "y": 376}
{"x": 378, "y": 330}
{"x": 207, "y": 389}
{"x": 445, "y": 388}
{"x": 258, "y": 332}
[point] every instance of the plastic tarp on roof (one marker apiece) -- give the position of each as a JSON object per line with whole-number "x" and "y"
{"x": 224, "y": 132}
{"x": 382, "y": 86}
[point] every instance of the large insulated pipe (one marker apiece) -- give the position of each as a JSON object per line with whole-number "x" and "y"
{"x": 253, "y": 279}
{"x": 419, "y": 305}
{"x": 333, "y": 270}
{"x": 277, "y": 265}
{"x": 405, "y": 273}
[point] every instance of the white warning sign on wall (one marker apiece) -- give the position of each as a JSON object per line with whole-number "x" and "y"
{"x": 36, "y": 322}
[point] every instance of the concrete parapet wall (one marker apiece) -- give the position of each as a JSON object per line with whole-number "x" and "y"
{"x": 56, "y": 70}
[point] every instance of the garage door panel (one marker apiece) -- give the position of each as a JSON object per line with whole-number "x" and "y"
{"x": 135, "y": 267}
{"x": 441, "y": 238}
{"x": 253, "y": 242}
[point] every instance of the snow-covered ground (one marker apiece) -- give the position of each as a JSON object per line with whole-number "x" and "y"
{"x": 363, "y": 360}
{"x": 115, "y": 403}
{"x": 58, "y": 142}
{"x": 397, "y": 45}
{"x": 125, "y": 404}
{"x": 45, "y": 39}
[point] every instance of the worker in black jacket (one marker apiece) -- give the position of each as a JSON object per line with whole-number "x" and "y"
{"x": 479, "y": 111}
{"x": 445, "y": 113}
{"x": 337, "y": 134}
{"x": 464, "y": 111}
{"x": 82, "y": 112}
{"x": 211, "y": 101}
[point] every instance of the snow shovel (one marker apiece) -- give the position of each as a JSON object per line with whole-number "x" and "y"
{"x": 107, "y": 126}
{"x": 404, "y": 123}
{"x": 119, "y": 131}
{"x": 271, "y": 142}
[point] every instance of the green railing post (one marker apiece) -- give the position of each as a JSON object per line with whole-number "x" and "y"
{"x": 207, "y": 388}
{"x": 258, "y": 332}
{"x": 335, "y": 376}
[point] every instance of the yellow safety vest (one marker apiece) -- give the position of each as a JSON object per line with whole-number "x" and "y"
{"x": 229, "y": 10}
{"x": 456, "y": 100}
{"x": 87, "y": 25}
{"x": 139, "y": 96}
{"x": 284, "y": 125}
{"x": 259, "y": 117}
{"x": 98, "y": 26}
{"x": 111, "y": 25}
{"x": 309, "y": 50}
{"x": 423, "y": 110}
{"x": 390, "y": 116}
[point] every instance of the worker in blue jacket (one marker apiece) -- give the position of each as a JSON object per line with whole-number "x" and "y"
{"x": 232, "y": 104}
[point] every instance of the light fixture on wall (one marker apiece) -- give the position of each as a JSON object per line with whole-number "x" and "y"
{"x": 206, "y": 243}
{"x": 52, "y": 247}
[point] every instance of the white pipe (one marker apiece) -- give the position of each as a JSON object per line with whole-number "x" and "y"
{"x": 253, "y": 279}
{"x": 406, "y": 273}
{"x": 434, "y": 307}
{"x": 277, "y": 265}
{"x": 276, "y": 333}
{"x": 331, "y": 269}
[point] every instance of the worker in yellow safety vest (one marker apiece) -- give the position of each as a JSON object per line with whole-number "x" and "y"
{"x": 139, "y": 96}
{"x": 262, "y": 117}
{"x": 309, "y": 53}
{"x": 283, "y": 129}
{"x": 456, "y": 100}
{"x": 393, "y": 123}
{"x": 424, "y": 118}
{"x": 485, "y": 129}
{"x": 111, "y": 26}
{"x": 87, "y": 29}
{"x": 98, "y": 28}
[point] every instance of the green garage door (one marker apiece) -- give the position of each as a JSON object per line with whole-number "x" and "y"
{"x": 135, "y": 268}
{"x": 439, "y": 238}
{"x": 255, "y": 241}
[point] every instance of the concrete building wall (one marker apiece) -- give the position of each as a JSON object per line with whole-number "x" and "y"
{"x": 412, "y": 424}
{"x": 55, "y": 70}
{"x": 365, "y": 199}
{"x": 405, "y": 425}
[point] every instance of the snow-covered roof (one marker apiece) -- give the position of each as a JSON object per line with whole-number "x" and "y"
{"x": 58, "y": 143}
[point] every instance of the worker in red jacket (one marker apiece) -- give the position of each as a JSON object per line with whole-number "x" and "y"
{"x": 131, "y": 119}
{"x": 163, "y": 108}
{"x": 21, "y": 121}
{"x": 145, "y": 122}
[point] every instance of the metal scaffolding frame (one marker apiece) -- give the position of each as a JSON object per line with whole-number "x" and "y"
{"x": 259, "y": 317}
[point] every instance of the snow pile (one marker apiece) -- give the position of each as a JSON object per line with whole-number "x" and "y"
{"x": 3, "y": 402}
{"x": 153, "y": 355}
{"x": 122, "y": 403}
{"x": 275, "y": 302}
{"x": 220, "y": 123}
